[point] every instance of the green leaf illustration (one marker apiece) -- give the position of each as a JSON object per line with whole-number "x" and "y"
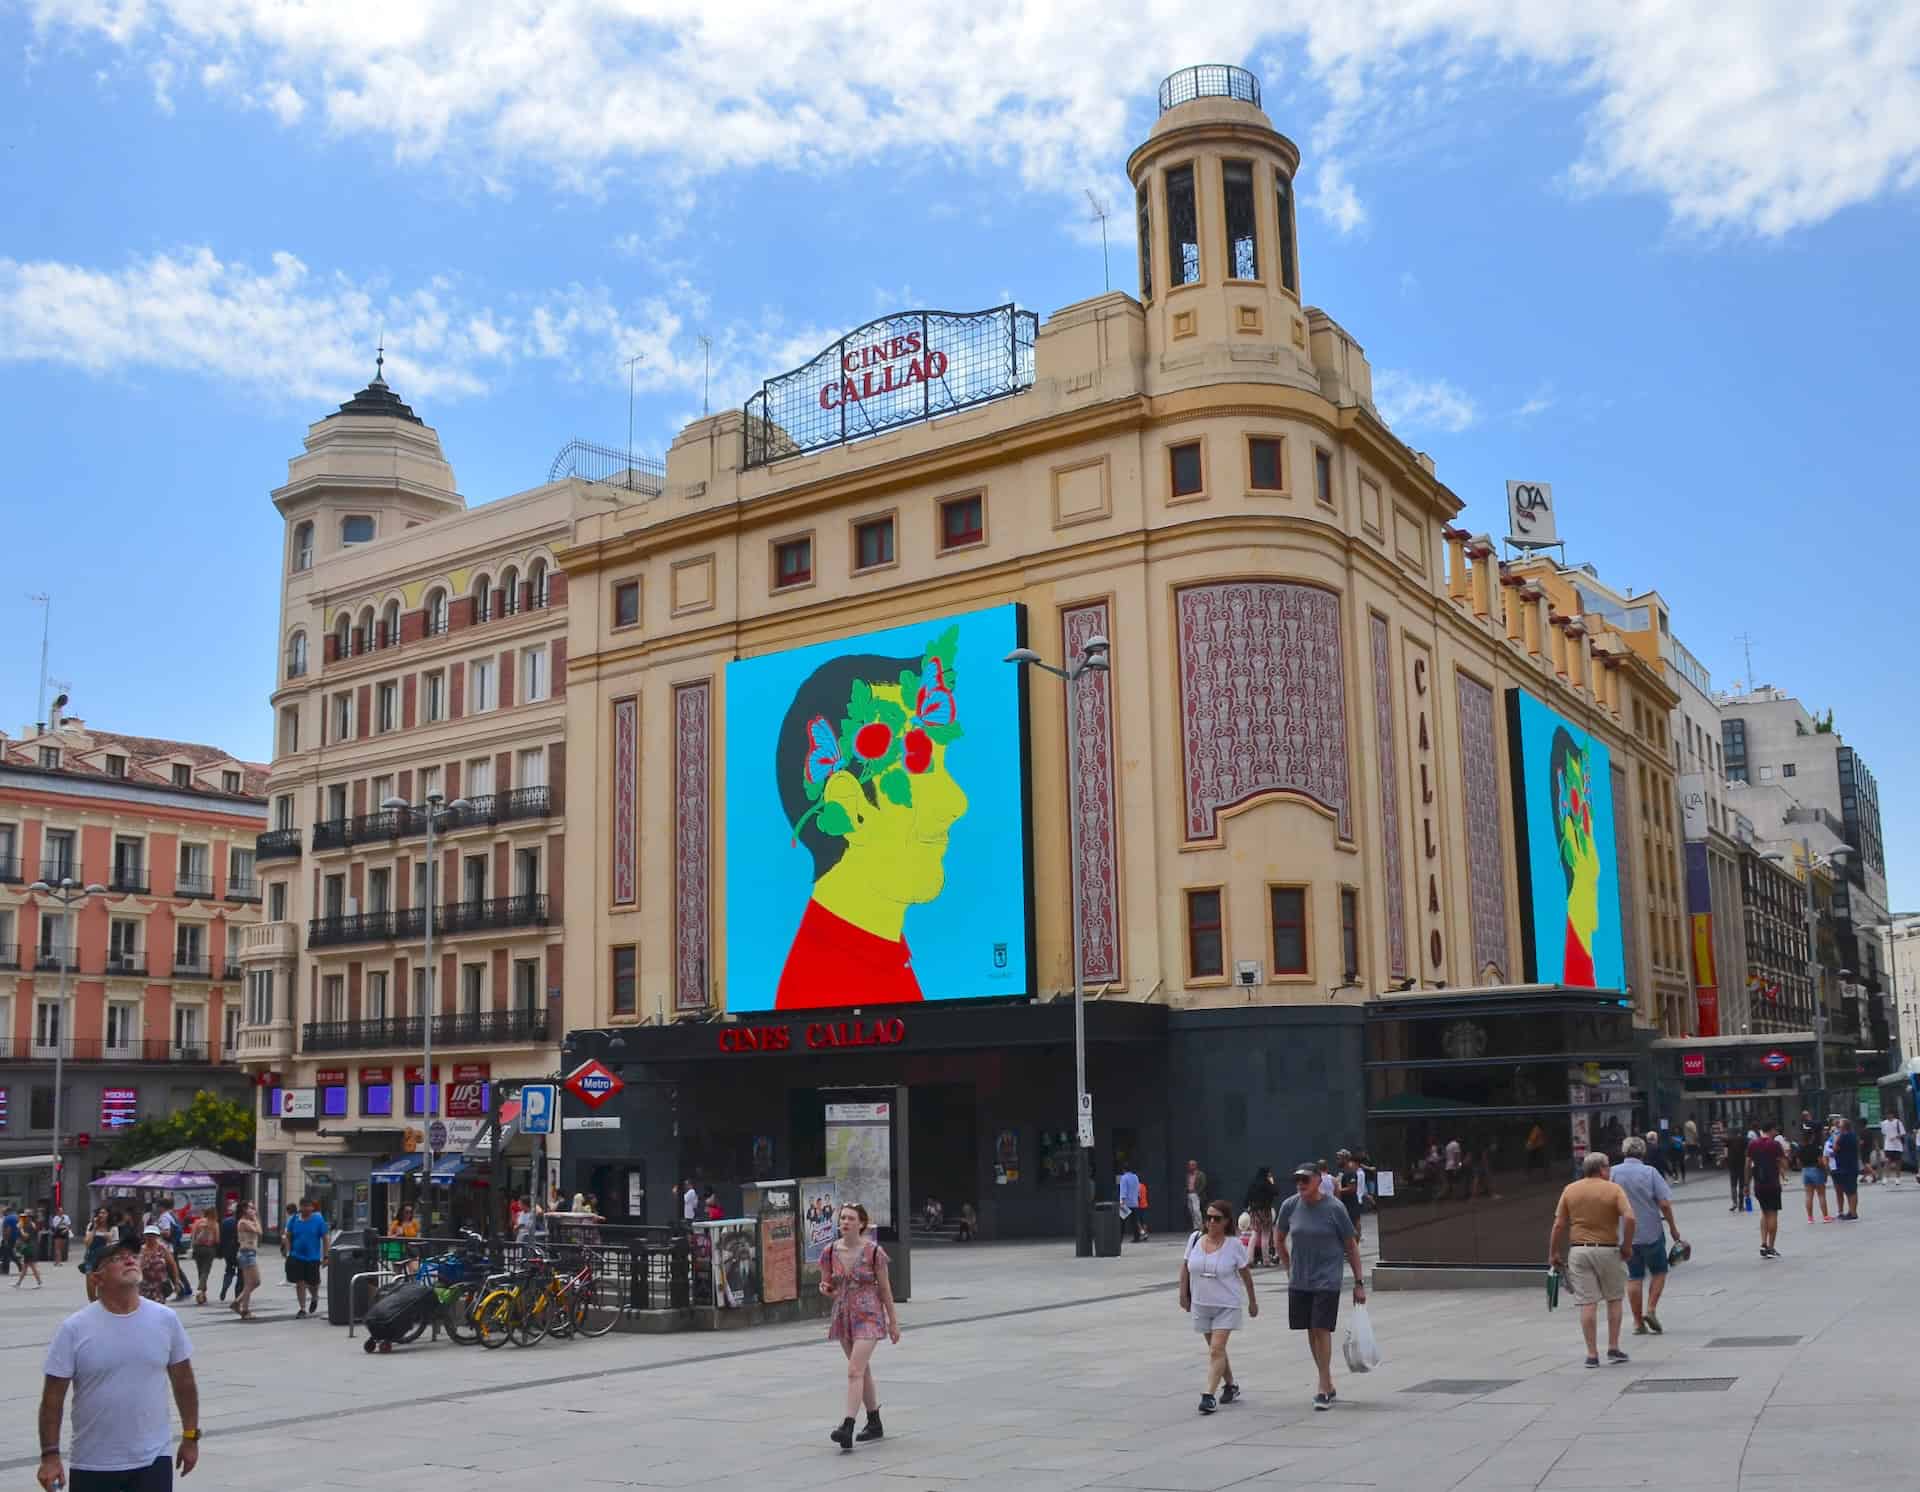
{"x": 834, "y": 820}
{"x": 860, "y": 701}
{"x": 943, "y": 734}
{"x": 909, "y": 686}
{"x": 892, "y": 714}
{"x": 897, "y": 786}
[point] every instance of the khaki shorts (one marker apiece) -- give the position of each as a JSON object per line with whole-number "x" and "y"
{"x": 1595, "y": 1273}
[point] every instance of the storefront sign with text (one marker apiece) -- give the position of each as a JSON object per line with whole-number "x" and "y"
{"x": 817, "y": 1035}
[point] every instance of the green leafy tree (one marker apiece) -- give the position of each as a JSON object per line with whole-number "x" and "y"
{"x": 209, "y": 1122}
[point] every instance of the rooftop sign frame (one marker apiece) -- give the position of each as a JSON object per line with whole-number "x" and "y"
{"x": 894, "y": 371}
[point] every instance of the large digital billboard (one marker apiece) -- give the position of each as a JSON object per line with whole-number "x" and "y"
{"x": 876, "y": 811}
{"x": 1569, "y": 871}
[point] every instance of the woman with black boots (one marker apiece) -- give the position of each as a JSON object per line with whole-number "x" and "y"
{"x": 853, "y": 1271}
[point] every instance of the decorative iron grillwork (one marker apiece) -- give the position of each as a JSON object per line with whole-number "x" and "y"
{"x": 1243, "y": 253}
{"x": 592, "y": 463}
{"x": 1143, "y": 206}
{"x": 1209, "y": 80}
{"x": 911, "y": 366}
{"x": 1183, "y": 228}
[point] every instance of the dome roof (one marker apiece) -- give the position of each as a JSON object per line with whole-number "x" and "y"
{"x": 377, "y": 399}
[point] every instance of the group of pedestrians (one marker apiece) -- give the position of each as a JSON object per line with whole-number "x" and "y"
{"x": 1827, "y": 1156}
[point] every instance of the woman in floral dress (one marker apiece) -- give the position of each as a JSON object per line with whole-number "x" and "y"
{"x": 853, "y": 1271}
{"x": 159, "y": 1270}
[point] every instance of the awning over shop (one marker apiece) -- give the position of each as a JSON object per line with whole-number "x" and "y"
{"x": 26, "y": 1162}
{"x": 448, "y": 1169}
{"x": 394, "y": 1170}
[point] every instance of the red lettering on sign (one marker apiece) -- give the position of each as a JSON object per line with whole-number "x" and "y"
{"x": 819, "y": 1036}
{"x": 885, "y": 358}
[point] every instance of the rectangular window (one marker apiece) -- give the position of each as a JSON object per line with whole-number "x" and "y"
{"x": 1283, "y": 201}
{"x": 480, "y": 691}
{"x": 1289, "y": 908}
{"x": 471, "y": 988}
{"x": 526, "y": 984}
{"x": 479, "y": 776}
{"x": 792, "y": 562}
{"x": 1264, "y": 470}
{"x": 386, "y": 706}
{"x": 116, "y": 766}
{"x": 1183, "y": 228}
{"x": 1206, "y": 952}
{"x": 277, "y": 902}
{"x": 1323, "y": 476}
{"x": 182, "y": 775}
{"x": 1143, "y": 213}
{"x": 283, "y": 811}
{"x": 123, "y": 946}
{"x": 229, "y": 1031}
{"x": 57, "y": 856}
{"x": 336, "y": 801}
{"x": 625, "y": 982}
{"x": 289, "y": 731}
{"x": 240, "y": 880}
{"x": 1236, "y": 190}
{"x": 379, "y": 889}
{"x": 526, "y": 872}
{"x": 376, "y": 995}
{"x": 434, "y": 690}
{"x": 473, "y": 878}
{"x": 229, "y": 782}
{"x": 532, "y": 767}
{"x": 873, "y": 543}
{"x": 342, "y": 716}
{"x": 333, "y": 1101}
{"x": 376, "y": 1099}
{"x": 50, "y": 756}
{"x": 626, "y": 604}
{"x": 962, "y": 522}
{"x": 1349, "y": 933}
{"x": 429, "y": 784}
{"x": 123, "y": 1027}
{"x": 1788, "y": 769}
{"x": 356, "y": 528}
{"x": 533, "y": 674}
{"x": 187, "y": 1039}
{"x": 1186, "y": 472}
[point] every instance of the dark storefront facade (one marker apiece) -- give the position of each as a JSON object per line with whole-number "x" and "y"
{"x": 989, "y": 1097}
{"x": 1480, "y": 1106}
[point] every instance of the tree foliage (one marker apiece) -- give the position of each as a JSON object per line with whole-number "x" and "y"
{"x": 209, "y": 1122}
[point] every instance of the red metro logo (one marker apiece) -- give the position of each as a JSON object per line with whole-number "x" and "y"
{"x": 867, "y": 372}
{"x": 593, "y": 1083}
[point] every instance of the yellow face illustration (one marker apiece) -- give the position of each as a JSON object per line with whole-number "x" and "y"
{"x": 1579, "y": 852}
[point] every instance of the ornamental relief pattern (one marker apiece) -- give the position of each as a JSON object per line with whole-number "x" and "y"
{"x": 691, "y": 844}
{"x": 1480, "y": 775}
{"x": 1389, "y": 768}
{"x": 1262, "y": 698}
{"x": 626, "y": 787}
{"x": 1089, "y": 708}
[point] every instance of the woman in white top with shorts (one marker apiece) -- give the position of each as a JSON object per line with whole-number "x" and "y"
{"x": 1210, "y": 1293}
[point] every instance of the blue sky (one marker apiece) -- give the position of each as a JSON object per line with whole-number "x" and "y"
{"x": 1662, "y": 265}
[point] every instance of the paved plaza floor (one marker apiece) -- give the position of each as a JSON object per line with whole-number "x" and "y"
{"x": 1024, "y": 1368}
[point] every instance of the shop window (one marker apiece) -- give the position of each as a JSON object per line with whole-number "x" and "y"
{"x": 625, "y": 981}
{"x": 1143, "y": 212}
{"x": 1186, "y": 471}
{"x": 793, "y": 562}
{"x": 1266, "y": 467}
{"x": 626, "y": 604}
{"x": 1283, "y": 202}
{"x": 1236, "y": 194}
{"x": 1183, "y": 228}
{"x": 333, "y": 1101}
{"x": 1206, "y": 949}
{"x": 963, "y": 521}
{"x": 873, "y": 543}
{"x": 376, "y": 1099}
{"x": 1289, "y": 911}
{"x": 1349, "y": 933}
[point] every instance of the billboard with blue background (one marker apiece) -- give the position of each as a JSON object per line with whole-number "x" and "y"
{"x": 876, "y": 818}
{"x": 1563, "y": 818}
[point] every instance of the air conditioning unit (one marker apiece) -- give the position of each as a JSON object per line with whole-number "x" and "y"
{"x": 1246, "y": 973}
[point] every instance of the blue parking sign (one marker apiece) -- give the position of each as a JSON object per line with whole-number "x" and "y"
{"x": 537, "y": 1103}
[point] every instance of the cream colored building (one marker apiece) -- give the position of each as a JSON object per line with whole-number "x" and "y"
{"x": 1199, "y": 474}
{"x": 422, "y": 657}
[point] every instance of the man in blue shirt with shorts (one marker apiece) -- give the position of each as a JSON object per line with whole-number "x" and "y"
{"x": 306, "y": 1254}
{"x": 1652, "y": 1200}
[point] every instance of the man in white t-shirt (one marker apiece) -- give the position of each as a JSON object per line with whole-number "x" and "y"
{"x": 1894, "y": 1136}
{"x": 690, "y": 1203}
{"x": 119, "y": 1355}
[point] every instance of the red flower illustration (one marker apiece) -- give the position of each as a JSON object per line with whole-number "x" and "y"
{"x": 919, "y": 751}
{"x": 873, "y": 740}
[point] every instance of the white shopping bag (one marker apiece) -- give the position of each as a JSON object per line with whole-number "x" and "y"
{"x": 1360, "y": 1349}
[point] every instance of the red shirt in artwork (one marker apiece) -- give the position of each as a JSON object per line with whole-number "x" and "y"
{"x": 832, "y": 963}
{"x": 1578, "y": 963}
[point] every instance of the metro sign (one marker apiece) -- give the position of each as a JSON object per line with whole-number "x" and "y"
{"x": 593, "y": 1083}
{"x": 1776, "y": 1061}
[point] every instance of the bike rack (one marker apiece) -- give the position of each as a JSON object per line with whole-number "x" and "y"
{"x": 378, "y": 1275}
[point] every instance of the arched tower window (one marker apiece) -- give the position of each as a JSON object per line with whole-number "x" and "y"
{"x": 482, "y": 597}
{"x": 537, "y": 583}
{"x": 1143, "y": 211}
{"x": 1283, "y": 202}
{"x": 1237, "y": 201}
{"x": 436, "y": 612}
{"x": 296, "y": 655}
{"x": 342, "y": 635}
{"x": 363, "y": 631}
{"x": 389, "y": 632}
{"x": 303, "y": 546}
{"x": 1183, "y": 228}
{"x": 510, "y": 588}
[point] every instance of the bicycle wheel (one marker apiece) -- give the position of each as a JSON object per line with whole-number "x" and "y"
{"x": 458, "y": 1314}
{"x": 597, "y": 1308}
{"x": 530, "y": 1322}
{"x": 493, "y": 1318}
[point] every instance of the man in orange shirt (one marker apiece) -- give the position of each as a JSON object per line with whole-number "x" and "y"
{"x": 1598, "y": 1215}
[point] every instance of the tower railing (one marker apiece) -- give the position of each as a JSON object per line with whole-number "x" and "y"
{"x": 1209, "y": 80}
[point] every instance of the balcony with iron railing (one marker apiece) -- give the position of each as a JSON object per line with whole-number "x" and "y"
{"x": 53, "y": 872}
{"x": 51, "y": 958}
{"x": 498, "y": 913}
{"x": 10, "y": 870}
{"x": 277, "y": 844}
{"x": 479, "y": 811}
{"x": 198, "y": 885}
{"x": 243, "y": 890}
{"x": 130, "y": 876}
{"x": 192, "y": 966}
{"x": 126, "y": 961}
{"x": 467, "y": 1028}
{"x": 95, "y": 1050}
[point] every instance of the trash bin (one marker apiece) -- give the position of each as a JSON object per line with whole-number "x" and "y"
{"x": 1106, "y": 1230}
{"x": 344, "y": 1261}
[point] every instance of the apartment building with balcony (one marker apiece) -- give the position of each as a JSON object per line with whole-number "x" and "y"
{"x": 421, "y": 677}
{"x": 166, "y": 830}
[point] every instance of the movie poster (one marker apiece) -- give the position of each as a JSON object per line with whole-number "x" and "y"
{"x": 860, "y": 1158}
{"x": 876, "y": 819}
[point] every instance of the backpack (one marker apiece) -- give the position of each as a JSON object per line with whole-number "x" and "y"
{"x": 1143, "y": 1195}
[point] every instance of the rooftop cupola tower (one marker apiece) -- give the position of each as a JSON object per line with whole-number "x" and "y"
{"x": 1219, "y": 257}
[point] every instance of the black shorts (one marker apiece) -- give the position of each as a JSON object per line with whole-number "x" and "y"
{"x": 1846, "y": 1183}
{"x": 303, "y": 1272}
{"x": 1313, "y": 1310}
{"x": 1767, "y": 1199}
{"x": 155, "y": 1478}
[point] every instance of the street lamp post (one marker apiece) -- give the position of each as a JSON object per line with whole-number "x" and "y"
{"x": 67, "y": 892}
{"x": 1093, "y": 659}
{"x": 430, "y": 1090}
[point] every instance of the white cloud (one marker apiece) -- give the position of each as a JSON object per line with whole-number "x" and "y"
{"x": 1407, "y": 402}
{"x": 1538, "y": 402}
{"x": 1766, "y": 121}
{"x": 160, "y": 74}
{"x": 300, "y": 336}
{"x": 285, "y": 101}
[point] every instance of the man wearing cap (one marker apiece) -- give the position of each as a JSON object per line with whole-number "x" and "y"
{"x": 118, "y": 1355}
{"x": 1315, "y": 1235}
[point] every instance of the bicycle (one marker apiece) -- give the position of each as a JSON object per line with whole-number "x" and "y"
{"x": 502, "y": 1314}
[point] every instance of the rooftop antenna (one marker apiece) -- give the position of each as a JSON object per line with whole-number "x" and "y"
{"x": 1745, "y": 639}
{"x": 45, "y": 601}
{"x": 638, "y": 357}
{"x": 1101, "y": 211}
{"x": 706, "y": 378}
